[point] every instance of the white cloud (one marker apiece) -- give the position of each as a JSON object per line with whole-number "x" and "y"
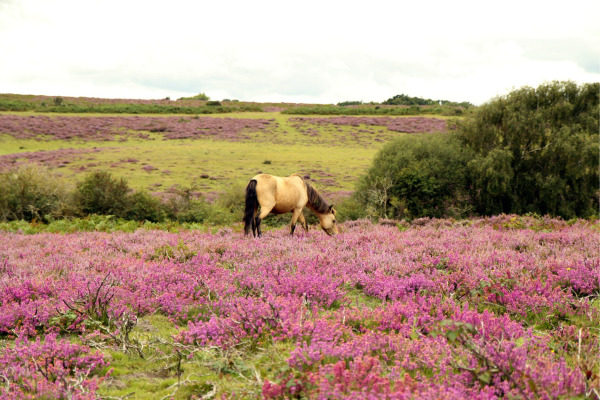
{"x": 311, "y": 51}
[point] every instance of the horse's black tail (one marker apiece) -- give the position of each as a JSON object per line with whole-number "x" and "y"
{"x": 251, "y": 206}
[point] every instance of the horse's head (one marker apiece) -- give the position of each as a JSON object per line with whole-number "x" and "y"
{"x": 328, "y": 222}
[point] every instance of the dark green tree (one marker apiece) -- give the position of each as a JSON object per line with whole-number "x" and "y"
{"x": 536, "y": 150}
{"x": 416, "y": 176}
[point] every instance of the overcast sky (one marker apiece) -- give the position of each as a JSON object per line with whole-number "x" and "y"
{"x": 295, "y": 51}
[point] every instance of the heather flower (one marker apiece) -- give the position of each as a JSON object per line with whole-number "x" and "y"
{"x": 53, "y": 369}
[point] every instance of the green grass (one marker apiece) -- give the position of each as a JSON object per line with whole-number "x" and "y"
{"x": 334, "y": 158}
{"x": 174, "y": 371}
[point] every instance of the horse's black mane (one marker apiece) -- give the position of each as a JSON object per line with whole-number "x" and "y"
{"x": 315, "y": 201}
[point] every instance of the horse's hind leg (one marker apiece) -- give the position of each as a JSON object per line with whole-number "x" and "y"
{"x": 303, "y": 222}
{"x": 254, "y": 222}
{"x": 264, "y": 211}
{"x": 256, "y": 225}
{"x": 296, "y": 214}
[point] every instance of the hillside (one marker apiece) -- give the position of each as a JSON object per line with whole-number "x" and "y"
{"x": 159, "y": 144}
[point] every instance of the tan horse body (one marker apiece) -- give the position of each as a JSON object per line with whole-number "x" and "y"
{"x": 280, "y": 195}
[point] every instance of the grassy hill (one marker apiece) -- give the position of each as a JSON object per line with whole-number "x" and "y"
{"x": 157, "y": 151}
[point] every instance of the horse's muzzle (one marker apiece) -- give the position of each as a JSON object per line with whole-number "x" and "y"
{"x": 331, "y": 231}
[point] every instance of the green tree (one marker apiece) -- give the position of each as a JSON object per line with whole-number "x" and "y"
{"x": 536, "y": 150}
{"x": 416, "y": 176}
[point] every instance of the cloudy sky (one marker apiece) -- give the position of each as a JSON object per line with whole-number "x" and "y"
{"x": 323, "y": 51}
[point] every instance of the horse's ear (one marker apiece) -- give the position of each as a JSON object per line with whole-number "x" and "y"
{"x": 331, "y": 209}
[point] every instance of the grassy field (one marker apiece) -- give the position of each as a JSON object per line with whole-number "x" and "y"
{"x": 333, "y": 151}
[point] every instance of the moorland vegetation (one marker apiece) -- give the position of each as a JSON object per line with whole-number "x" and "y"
{"x": 109, "y": 291}
{"x": 487, "y": 308}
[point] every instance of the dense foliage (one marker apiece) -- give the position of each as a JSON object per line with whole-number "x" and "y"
{"x": 416, "y": 176}
{"x": 199, "y": 96}
{"x": 405, "y": 100}
{"x": 532, "y": 151}
{"x": 536, "y": 150}
{"x": 48, "y": 104}
{"x": 350, "y": 103}
{"x": 101, "y": 193}
{"x": 484, "y": 309}
{"x": 33, "y": 193}
{"x": 373, "y": 110}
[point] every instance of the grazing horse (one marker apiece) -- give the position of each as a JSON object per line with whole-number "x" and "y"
{"x": 279, "y": 195}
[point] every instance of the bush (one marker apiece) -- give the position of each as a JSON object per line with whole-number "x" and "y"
{"x": 228, "y": 208}
{"x": 101, "y": 193}
{"x": 142, "y": 206}
{"x": 350, "y": 209}
{"x": 536, "y": 150}
{"x": 33, "y": 193}
{"x": 199, "y": 96}
{"x": 195, "y": 211}
{"x": 402, "y": 99}
{"x": 417, "y": 176}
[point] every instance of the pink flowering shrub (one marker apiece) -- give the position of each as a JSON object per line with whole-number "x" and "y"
{"x": 52, "y": 369}
{"x": 111, "y": 128}
{"x": 404, "y": 124}
{"x": 488, "y": 308}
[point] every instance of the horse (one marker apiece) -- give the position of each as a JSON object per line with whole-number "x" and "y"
{"x": 280, "y": 195}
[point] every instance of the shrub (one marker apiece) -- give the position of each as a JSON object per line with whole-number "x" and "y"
{"x": 101, "y": 193}
{"x": 349, "y": 103}
{"x": 350, "y": 209}
{"x": 195, "y": 211}
{"x": 199, "y": 96}
{"x": 227, "y": 208}
{"x": 403, "y": 99}
{"x": 417, "y": 176}
{"x": 142, "y": 206}
{"x": 532, "y": 151}
{"x": 31, "y": 192}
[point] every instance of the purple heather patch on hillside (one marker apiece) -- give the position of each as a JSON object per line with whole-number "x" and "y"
{"x": 398, "y": 124}
{"x": 111, "y": 128}
{"x": 49, "y": 158}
